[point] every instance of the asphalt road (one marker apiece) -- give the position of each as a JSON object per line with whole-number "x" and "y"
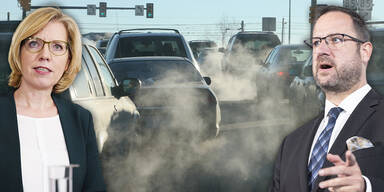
{"x": 239, "y": 159}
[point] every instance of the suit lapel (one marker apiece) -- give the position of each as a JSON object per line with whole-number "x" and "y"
{"x": 70, "y": 131}
{"x": 305, "y": 152}
{"x": 355, "y": 122}
{"x": 10, "y": 145}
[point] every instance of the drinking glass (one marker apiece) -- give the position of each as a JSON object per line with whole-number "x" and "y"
{"x": 60, "y": 178}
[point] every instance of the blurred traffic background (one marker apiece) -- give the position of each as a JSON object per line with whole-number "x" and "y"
{"x": 193, "y": 95}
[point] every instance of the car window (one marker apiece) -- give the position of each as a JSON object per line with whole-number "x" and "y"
{"x": 272, "y": 56}
{"x": 294, "y": 55}
{"x": 163, "y": 71}
{"x": 256, "y": 42}
{"x": 82, "y": 84}
{"x": 150, "y": 46}
{"x": 291, "y": 55}
{"x": 106, "y": 74}
{"x": 93, "y": 71}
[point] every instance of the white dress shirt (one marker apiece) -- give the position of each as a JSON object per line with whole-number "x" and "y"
{"x": 42, "y": 144}
{"x": 348, "y": 105}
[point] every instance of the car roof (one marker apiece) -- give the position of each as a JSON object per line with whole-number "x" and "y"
{"x": 152, "y": 58}
{"x": 149, "y": 32}
{"x": 142, "y": 34}
{"x": 199, "y": 41}
{"x": 255, "y": 32}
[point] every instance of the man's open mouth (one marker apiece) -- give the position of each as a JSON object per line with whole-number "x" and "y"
{"x": 325, "y": 66}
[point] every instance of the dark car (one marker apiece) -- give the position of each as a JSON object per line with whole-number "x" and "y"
{"x": 305, "y": 94}
{"x": 198, "y": 45}
{"x": 281, "y": 66}
{"x": 148, "y": 42}
{"x": 101, "y": 45}
{"x": 172, "y": 94}
{"x": 247, "y": 49}
{"x": 286, "y": 61}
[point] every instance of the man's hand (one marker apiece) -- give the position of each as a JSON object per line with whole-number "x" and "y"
{"x": 349, "y": 177}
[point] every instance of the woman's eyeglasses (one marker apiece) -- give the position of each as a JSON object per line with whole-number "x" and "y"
{"x": 56, "y": 47}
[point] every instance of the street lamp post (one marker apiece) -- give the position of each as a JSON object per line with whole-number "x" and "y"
{"x": 289, "y": 24}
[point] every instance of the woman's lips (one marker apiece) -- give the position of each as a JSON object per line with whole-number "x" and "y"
{"x": 42, "y": 70}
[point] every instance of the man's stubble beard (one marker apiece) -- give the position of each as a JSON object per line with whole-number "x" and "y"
{"x": 347, "y": 75}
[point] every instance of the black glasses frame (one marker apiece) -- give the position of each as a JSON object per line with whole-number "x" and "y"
{"x": 309, "y": 42}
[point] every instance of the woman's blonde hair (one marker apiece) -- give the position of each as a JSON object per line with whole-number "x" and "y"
{"x": 31, "y": 25}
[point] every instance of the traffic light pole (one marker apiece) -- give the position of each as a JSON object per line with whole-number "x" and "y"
{"x": 289, "y": 24}
{"x": 77, "y": 7}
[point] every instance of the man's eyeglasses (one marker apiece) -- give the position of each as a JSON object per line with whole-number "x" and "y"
{"x": 56, "y": 47}
{"x": 334, "y": 41}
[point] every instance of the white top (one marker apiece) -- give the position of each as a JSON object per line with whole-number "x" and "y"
{"x": 348, "y": 105}
{"x": 42, "y": 144}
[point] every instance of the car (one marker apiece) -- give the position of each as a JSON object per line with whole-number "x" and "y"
{"x": 305, "y": 94}
{"x": 172, "y": 94}
{"x": 101, "y": 45}
{"x": 148, "y": 42}
{"x": 286, "y": 61}
{"x": 247, "y": 49}
{"x": 95, "y": 89}
{"x": 210, "y": 61}
{"x": 198, "y": 45}
{"x": 280, "y": 67}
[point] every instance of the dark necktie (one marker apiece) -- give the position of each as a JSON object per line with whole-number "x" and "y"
{"x": 320, "y": 149}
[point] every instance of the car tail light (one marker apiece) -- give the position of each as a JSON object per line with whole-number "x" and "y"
{"x": 281, "y": 73}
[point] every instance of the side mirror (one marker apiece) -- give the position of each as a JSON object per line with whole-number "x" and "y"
{"x": 208, "y": 80}
{"x": 130, "y": 86}
{"x": 127, "y": 87}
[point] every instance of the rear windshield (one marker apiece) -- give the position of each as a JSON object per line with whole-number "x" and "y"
{"x": 150, "y": 46}
{"x": 152, "y": 71}
{"x": 294, "y": 54}
{"x": 257, "y": 42}
{"x": 198, "y": 45}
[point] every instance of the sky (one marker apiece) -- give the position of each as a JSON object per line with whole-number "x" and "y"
{"x": 197, "y": 19}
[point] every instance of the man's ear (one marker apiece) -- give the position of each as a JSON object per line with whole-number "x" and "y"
{"x": 366, "y": 51}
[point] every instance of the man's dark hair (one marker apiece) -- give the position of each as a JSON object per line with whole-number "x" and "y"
{"x": 358, "y": 22}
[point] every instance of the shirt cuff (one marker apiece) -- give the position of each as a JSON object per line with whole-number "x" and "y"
{"x": 368, "y": 186}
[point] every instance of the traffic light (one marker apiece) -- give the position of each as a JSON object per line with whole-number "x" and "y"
{"x": 149, "y": 10}
{"x": 102, "y": 9}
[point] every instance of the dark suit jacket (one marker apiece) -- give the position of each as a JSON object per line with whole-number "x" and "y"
{"x": 367, "y": 120}
{"x": 77, "y": 125}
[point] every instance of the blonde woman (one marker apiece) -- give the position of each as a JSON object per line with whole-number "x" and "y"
{"x": 37, "y": 128}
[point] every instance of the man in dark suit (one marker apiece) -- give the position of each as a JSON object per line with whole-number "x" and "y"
{"x": 318, "y": 156}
